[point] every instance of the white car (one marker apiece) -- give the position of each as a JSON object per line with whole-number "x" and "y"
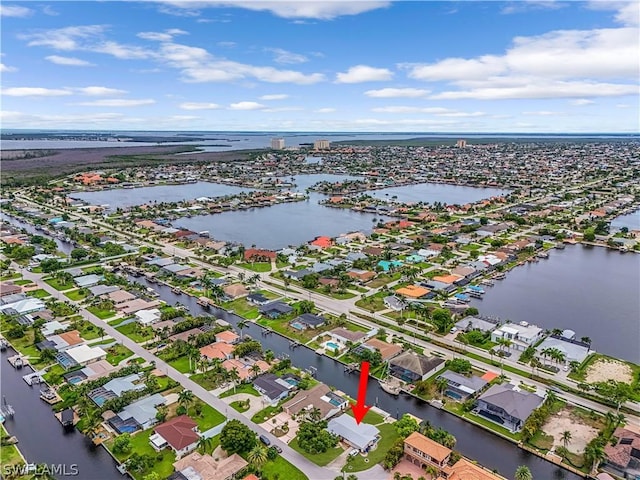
{"x": 354, "y": 452}
{"x": 453, "y": 330}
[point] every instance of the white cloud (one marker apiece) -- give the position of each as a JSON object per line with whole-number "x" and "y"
{"x": 15, "y": 11}
{"x": 397, "y": 93}
{"x": 118, "y": 102}
{"x": 66, "y": 38}
{"x": 556, "y": 89}
{"x": 7, "y": 69}
{"x": 34, "y": 92}
{"x": 581, "y": 102}
{"x": 71, "y": 61}
{"x": 627, "y": 12}
{"x": 283, "y": 109}
{"x": 246, "y": 106}
{"x": 274, "y": 96}
{"x": 48, "y": 10}
{"x": 364, "y": 73}
{"x": 325, "y": 110}
{"x": 286, "y": 57}
{"x": 165, "y": 36}
{"x": 543, "y": 113}
{"x": 523, "y": 6}
{"x": 322, "y": 10}
{"x": 97, "y": 91}
{"x": 457, "y": 69}
{"x": 438, "y": 111}
{"x": 199, "y": 106}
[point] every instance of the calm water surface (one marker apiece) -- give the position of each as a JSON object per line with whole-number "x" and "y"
{"x": 591, "y": 290}
{"x": 630, "y": 220}
{"x": 437, "y": 192}
{"x": 127, "y": 197}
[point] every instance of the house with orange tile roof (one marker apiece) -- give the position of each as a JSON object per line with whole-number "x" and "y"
{"x": 322, "y": 242}
{"x": 465, "y": 470}
{"x": 180, "y": 434}
{"x": 447, "y": 278}
{"x": 413, "y": 291}
{"x": 227, "y": 336}
{"x": 423, "y": 451}
{"x": 219, "y": 350}
{"x": 259, "y": 255}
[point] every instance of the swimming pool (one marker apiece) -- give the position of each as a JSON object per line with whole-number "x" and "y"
{"x": 297, "y": 326}
{"x": 332, "y": 345}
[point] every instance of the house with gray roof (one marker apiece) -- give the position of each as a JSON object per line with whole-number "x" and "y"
{"x": 102, "y": 290}
{"x": 88, "y": 280}
{"x": 297, "y": 274}
{"x": 143, "y": 412}
{"x": 468, "y": 324}
{"x": 506, "y": 406}
{"x": 161, "y": 261}
{"x": 362, "y": 436}
{"x": 320, "y": 267}
{"x": 353, "y": 256}
{"x": 460, "y": 387}
{"x": 393, "y": 302}
{"x": 275, "y": 309}
{"x": 307, "y": 320}
{"x": 411, "y": 366}
{"x": 573, "y": 350}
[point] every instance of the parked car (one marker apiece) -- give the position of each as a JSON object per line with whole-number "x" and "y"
{"x": 265, "y": 440}
{"x": 354, "y": 452}
{"x": 278, "y": 449}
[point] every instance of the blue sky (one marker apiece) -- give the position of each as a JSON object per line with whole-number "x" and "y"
{"x": 469, "y": 66}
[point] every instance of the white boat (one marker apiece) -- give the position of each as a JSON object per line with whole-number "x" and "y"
{"x": 389, "y": 384}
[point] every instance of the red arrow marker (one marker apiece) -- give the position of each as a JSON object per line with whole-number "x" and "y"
{"x": 360, "y": 409}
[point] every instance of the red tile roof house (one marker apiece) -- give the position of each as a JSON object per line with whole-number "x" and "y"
{"x": 322, "y": 242}
{"x": 180, "y": 434}
{"x": 257, "y": 255}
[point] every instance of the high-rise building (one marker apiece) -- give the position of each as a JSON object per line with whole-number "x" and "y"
{"x": 277, "y": 143}
{"x": 461, "y": 143}
{"x": 321, "y": 145}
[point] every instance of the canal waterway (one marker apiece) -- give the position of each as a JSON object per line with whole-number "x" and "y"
{"x": 63, "y": 246}
{"x": 127, "y": 197}
{"x": 591, "y": 290}
{"x": 630, "y": 220}
{"x": 436, "y": 192}
{"x": 472, "y": 441}
{"x": 42, "y": 438}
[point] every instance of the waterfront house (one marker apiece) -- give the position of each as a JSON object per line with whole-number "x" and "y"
{"x": 322, "y": 242}
{"x": 307, "y": 320}
{"x": 51, "y": 327}
{"x": 623, "y": 458}
{"x": 244, "y": 369}
{"x": 387, "y": 350}
{"x": 413, "y": 292}
{"x": 80, "y": 355}
{"x": 219, "y": 350}
{"x": 463, "y": 469}
{"x": 94, "y": 370}
{"x": 573, "y": 350}
{"x": 411, "y": 366}
{"x": 137, "y": 304}
{"x": 361, "y": 436}
{"x": 321, "y": 397}
{"x": 343, "y": 336}
{"x": 393, "y": 302}
{"x": 520, "y": 334}
{"x": 148, "y": 317}
{"x": 272, "y": 387}
{"x": 460, "y": 387}
{"x": 227, "y": 336}
{"x": 506, "y": 406}
{"x": 258, "y": 255}
{"x": 61, "y": 341}
{"x": 422, "y": 451}
{"x": 467, "y": 324}
{"x": 275, "y": 309}
{"x": 114, "y": 388}
{"x": 180, "y": 434}
{"x": 138, "y": 415}
{"x": 258, "y": 299}
{"x": 99, "y": 290}
{"x": 235, "y": 290}
{"x": 204, "y": 467}
{"x": 120, "y": 296}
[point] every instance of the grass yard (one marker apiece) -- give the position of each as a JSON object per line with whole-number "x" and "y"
{"x": 22, "y": 282}
{"x": 140, "y": 444}
{"x": 259, "y": 267}
{"x": 58, "y": 285}
{"x": 388, "y": 436}
{"x": 39, "y": 293}
{"x": 208, "y": 418}
{"x": 117, "y": 353}
{"x": 281, "y": 469}
{"x": 456, "y": 408}
{"x": 240, "y": 406}
{"x": 371, "y": 418}
{"x": 9, "y": 454}
{"x": 136, "y": 332}
{"x": 265, "y": 414}
{"x": 373, "y": 303}
{"x": 383, "y": 279}
{"x": 101, "y": 314}
{"x": 181, "y": 364}
{"x": 242, "y": 388}
{"x": 243, "y": 308}
{"x": 204, "y": 381}
{"x": 320, "y": 459}
{"x": 76, "y": 295}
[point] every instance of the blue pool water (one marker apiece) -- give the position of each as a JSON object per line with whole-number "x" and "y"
{"x": 333, "y": 345}
{"x": 292, "y": 381}
{"x": 454, "y": 395}
{"x": 99, "y": 399}
{"x": 297, "y": 326}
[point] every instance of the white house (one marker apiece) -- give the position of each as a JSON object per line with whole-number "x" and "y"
{"x": 148, "y": 317}
{"x": 521, "y": 335}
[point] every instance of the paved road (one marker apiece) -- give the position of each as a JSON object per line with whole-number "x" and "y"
{"x": 313, "y": 471}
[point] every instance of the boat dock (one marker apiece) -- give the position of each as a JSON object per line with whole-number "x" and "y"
{"x": 6, "y": 410}
{"x": 49, "y": 395}
{"x": 67, "y": 417}
{"x": 34, "y": 378}
{"x": 18, "y": 361}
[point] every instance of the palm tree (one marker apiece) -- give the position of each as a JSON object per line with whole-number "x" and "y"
{"x": 315, "y": 414}
{"x": 205, "y": 444}
{"x": 269, "y": 356}
{"x": 594, "y": 454}
{"x": 185, "y": 398}
{"x": 242, "y": 324}
{"x": 257, "y": 456}
{"x": 566, "y": 438}
{"x": 523, "y": 473}
{"x": 441, "y": 384}
{"x": 255, "y": 369}
{"x": 100, "y": 331}
{"x": 234, "y": 376}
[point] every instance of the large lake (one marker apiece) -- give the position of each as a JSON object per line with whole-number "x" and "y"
{"x": 437, "y": 192}
{"x": 127, "y": 197}
{"x": 591, "y": 290}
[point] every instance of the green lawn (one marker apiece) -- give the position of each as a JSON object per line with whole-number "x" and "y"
{"x": 39, "y": 293}
{"x": 101, "y": 314}
{"x": 76, "y": 295}
{"x": 11, "y": 276}
{"x": 320, "y": 459}
{"x": 22, "y": 282}
{"x": 9, "y": 454}
{"x": 140, "y": 444}
{"x": 258, "y": 267}
{"x": 117, "y": 353}
{"x": 242, "y": 388}
{"x": 282, "y": 470}
{"x": 181, "y": 364}
{"x": 243, "y": 308}
{"x": 388, "y": 436}
{"x": 373, "y": 303}
{"x": 372, "y": 418}
{"x": 383, "y": 279}
{"x": 202, "y": 380}
{"x": 52, "y": 372}
{"x": 265, "y": 414}
{"x": 209, "y": 417}
{"x": 240, "y": 406}
{"x": 57, "y": 285}
{"x": 25, "y": 346}
{"x": 456, "y": 408}
{"x": 136, "y": 332}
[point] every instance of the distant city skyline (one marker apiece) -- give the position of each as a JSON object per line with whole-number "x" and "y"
{"x": 279, "y": 66}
